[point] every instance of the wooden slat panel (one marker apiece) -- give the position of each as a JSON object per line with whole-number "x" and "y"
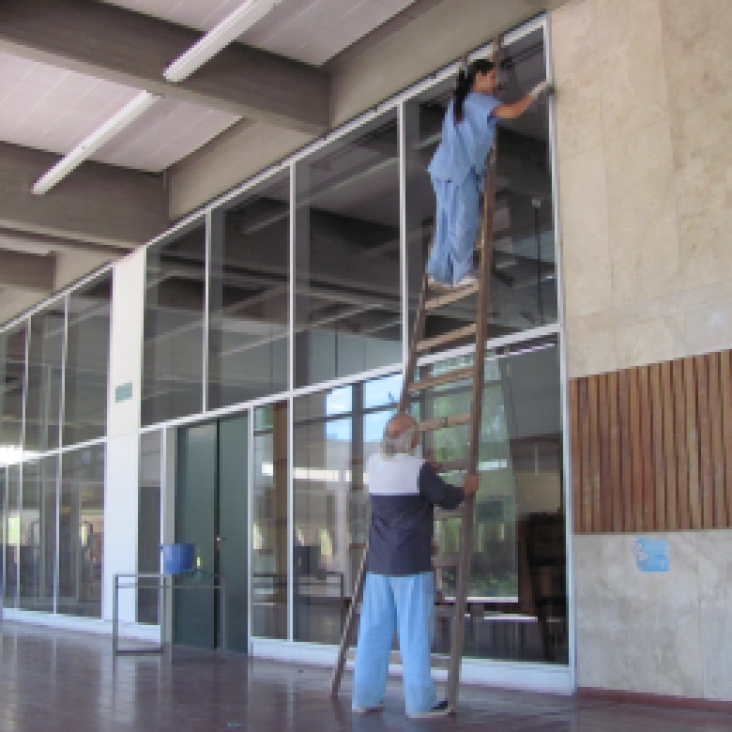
{"x": 616, "y": 487}
{"x": 692, "y": 439}
{"x": 725, "y": 389}
{"x": 718, "y": 457}
{"x": 681, "y": 449}
{"x": 658, "y": 462}
{"x": 706, "y": 476}
{"x": 650, "y": 447}
{"x": 606, "y": 495}
{"x": 586, "y": 490}
{"x": 669, "y": 447}
{"x": 576, "y": 455}
{"x": 595, "y": 448}
{"x": 648, "y": 504}
{"x": 625, "y": 452}
{"x": 636, "y": 446}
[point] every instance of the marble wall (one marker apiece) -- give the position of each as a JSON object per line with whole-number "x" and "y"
{"x": 644, "y": 113}
{"x": 644, "y": 109}
{"x": 667, "y": 633}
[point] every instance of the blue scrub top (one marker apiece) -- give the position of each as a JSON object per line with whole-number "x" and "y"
{"x": 465, "y": 146}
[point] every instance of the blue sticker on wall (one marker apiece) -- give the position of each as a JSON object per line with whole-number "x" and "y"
{"x": 651, "y": 555}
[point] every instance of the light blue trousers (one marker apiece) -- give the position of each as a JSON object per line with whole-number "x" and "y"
{"x": 406, "y": 605}
{"x": 457, "y": 220}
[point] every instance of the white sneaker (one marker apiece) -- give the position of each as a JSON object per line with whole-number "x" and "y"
{"x": 443, "y": 709}
{"x": 468, "y": 280}
{"x": 368, "y": 710}
{"x": 432, "y": 282}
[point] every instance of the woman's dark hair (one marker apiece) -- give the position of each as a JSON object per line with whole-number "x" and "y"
{"x": 465, "y": 80}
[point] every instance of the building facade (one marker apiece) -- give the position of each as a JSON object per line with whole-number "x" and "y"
{"x": 225, "y": 384}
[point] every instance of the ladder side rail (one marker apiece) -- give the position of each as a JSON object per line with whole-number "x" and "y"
{"x": 466, "y": 538}
{"x": 350, "y": 624}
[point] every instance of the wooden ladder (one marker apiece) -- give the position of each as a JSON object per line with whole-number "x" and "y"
{"x": 430, "y": 302}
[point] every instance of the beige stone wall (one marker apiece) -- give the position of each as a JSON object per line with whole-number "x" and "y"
{"x": 667, "y": 633}
{"x": 644, "y": 113}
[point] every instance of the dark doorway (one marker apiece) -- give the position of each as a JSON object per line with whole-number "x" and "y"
{"x": 212, "y": 513}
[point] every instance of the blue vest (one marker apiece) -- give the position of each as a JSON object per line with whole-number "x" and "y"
{"x": 465, "y": 146}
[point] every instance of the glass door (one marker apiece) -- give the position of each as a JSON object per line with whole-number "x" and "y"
{"x": 211, "y": 513}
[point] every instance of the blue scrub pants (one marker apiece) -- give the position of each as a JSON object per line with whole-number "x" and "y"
{"x": 457, "y": 221}
{"x": 407, "y": 605}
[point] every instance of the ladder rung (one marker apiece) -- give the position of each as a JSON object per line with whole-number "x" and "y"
{"x": 451, "y": 465}
{"x": 454, "y": 335}
{"x": 453, "y": 296}
{"x": 442, "y": 513}
{"x": 433, "y": 381}
{"x": 446, "y": 560}
{"x": 438, "y": 424}
{"x": 440, "y": 661}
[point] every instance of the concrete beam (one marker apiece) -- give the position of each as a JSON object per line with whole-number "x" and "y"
{"x": 99, "y": 204}
{"x": 416, "y": 43}
{"x": 134, "y": 49}
{"x": 235, "y": 155}
{"x": 27, "y": 271}
{"x": 413, "y": 44}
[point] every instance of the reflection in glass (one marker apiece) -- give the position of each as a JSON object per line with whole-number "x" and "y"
{"x": 347, "y": 299}
{"x": 12, "y": 376}
{"x": 12, "y": 536}
{"x": 522, "y": 286}
{"x": 87, "y": 363}
{"x": 518, "y": 592}
{"x": 331, "y": 517}
{"x": 172, "y": 377}
{"x": 148, "y": 525}
{"x": 37, "y": 549}
{"x": 81, "y": 532}
{"x": 45, "y": 360}
{"x": 249, "y": 296}
{"x": 269, "y": 523}
{"x": 3, "y": 531}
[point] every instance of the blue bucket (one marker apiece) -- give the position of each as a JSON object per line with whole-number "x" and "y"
{"x": 177, "y": 558}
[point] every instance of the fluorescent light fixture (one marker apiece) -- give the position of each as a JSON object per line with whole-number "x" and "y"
{"x": 229, "y": 29}
{"x": 87, "y": 147}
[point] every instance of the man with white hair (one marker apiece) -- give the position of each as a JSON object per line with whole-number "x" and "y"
{"x": 399, "y": 592}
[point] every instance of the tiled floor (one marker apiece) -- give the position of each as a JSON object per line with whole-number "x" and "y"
{"x": 51, "y": 680}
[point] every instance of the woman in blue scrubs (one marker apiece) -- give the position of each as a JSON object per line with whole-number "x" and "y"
{"x": 458, "y": 169}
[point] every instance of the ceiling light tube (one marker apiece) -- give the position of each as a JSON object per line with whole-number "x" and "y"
{"x": 87, "y": 147}
{"x": 228, "y": 30}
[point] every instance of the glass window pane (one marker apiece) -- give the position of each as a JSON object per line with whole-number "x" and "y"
{"x": 172, "y": 378}
{"x": 523, "y": 285}
{"x": 148, "y": 527}
{"x": 249, "y": 296}
{"x": 87, "y": 363}
{"x": 347, "y": 299}
{"x": 331, "y": 505}
{"x": 12, "y": 378}
{"x": 270, "y": 561}
{"x": 37, "y": 552}
{"x": 43, "y": 395}
{"x": 12, "y": 536}
{"x": 81, "y": 532}
{"x": 518, "y": 591}
{"x": 3, "y": 530}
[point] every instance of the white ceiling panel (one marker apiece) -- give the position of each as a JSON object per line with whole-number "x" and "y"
{"x": 163, "y": 135}
{"x": 52, "y": 109}
{"x": 312, "y": 31}
{"x": 48, "y": 108}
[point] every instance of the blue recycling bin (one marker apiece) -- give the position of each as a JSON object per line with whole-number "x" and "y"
{"x": 177, "y": 558}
